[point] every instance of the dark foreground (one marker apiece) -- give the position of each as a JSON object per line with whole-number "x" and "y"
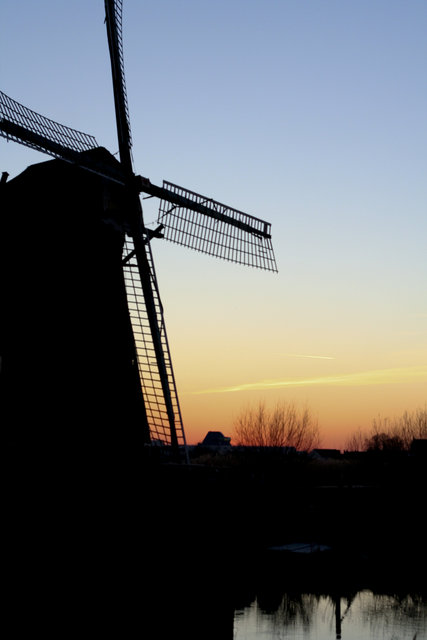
{"x": 101, "y": 546}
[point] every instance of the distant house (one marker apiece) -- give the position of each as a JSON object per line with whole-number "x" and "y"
{"x": 326, "y": 454}
{"x": 216, "y": 440}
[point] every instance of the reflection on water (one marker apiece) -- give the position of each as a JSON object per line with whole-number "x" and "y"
{"x": 363, "y": 615}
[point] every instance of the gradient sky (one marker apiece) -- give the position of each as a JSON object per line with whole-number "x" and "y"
{"x": 309, "y": 114}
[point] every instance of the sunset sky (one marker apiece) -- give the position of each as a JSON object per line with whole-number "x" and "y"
{"x": 309, "y": 114}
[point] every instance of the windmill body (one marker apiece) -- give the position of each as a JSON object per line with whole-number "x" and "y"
{"x": 96, "y": 318}
{"x": 70, "y": 375}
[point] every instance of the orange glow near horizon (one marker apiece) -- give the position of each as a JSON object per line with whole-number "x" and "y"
{"x": 239, "y": 337}
{"x": 342, "y": 404}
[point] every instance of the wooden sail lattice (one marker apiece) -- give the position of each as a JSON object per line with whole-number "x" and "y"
{"x": 151, "y": 385}
{"x": 23, "y": 125}
{"x": 219, "y": 231}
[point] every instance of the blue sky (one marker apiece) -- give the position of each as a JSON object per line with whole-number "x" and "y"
{"x": 311, "y": 115}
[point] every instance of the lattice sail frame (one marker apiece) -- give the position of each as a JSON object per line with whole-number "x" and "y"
{"x": 21, "y": 124}
{"x": 155, "y": 406}
{"x": 117, "y": 8}
{"x": 222, "y": 232}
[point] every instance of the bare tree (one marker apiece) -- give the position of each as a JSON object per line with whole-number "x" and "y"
{"x": 384, "y": 442}
{"x": 411, "y": 426}
{"x": 395, "y": 433}
{"x": 282, "y": 426}
{"x": 356, "y": 442}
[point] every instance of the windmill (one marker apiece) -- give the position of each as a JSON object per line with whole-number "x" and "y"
{"x": 185, "y": 217}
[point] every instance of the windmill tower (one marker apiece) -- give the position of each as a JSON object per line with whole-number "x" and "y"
{"x": 145, "y": 389}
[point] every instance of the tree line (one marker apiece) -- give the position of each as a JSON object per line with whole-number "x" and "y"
{"x": 286, "y": 425}
{"x": 391, "y": 434}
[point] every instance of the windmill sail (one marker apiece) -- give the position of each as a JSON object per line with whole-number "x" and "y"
{"x": 113, "y": 19}
{"x": 20, "y": 124}
{"x": 29, "y": 128}
{"x": 156, "y": 407}
{"x": 205, "y": 225}
{"x": 157, "y": 379}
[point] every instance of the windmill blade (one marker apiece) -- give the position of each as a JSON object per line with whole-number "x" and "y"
{"x": 205, "y": 225}
{"x": 29, "y": 128}
{"x": 113, "y": 19}
{"x": 20, "y": 124}
{"x": 161, "y": 393}
{"x": 161, "y": 405}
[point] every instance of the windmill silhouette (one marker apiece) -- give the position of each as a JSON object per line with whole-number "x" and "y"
{"x": 185, "y": 217}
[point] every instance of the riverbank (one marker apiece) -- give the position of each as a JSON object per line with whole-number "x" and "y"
{"x": 239, "y": 513}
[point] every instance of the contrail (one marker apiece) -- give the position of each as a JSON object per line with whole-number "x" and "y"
{"x": 299, "y": 355}
{"x": 362, "y": 378}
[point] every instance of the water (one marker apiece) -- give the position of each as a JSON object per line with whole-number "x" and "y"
{"x": 364, "y": 615}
